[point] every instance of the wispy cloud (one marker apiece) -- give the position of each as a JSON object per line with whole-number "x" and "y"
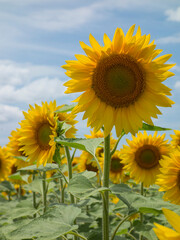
{"x": 169, "y": 39}
{"x": 173, "y": 14}
{"x": 7, "y": 113}
{"x": 29, "y": 83}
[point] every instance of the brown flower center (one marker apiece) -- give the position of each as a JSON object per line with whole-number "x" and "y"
{"x": 43, "y": 136}
{"x": 90, "y": 167}
{"x": 118, "y": 80}
{"x": 147, "y": 156}
{"x": 116, "y": 165}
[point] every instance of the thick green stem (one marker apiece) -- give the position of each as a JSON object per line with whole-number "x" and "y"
{"x": 44, "y": 192}
{"x": 69, "y": 160}
{"x": 141, "y": 215}
{"x": 107, "y": 161}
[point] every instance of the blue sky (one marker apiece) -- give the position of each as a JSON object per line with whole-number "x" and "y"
{"x": 37, "y": 36}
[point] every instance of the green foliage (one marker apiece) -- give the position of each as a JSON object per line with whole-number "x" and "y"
{"x": 84, "y": 144}
{"x": 66, "y": 108}
{"x": 148, "y": 127}
{"x": 41, "y": 168}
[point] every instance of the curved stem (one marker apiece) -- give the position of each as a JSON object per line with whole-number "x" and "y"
{"x": 107, "y": 160}
{"x": 117, "y": 142}
{"x": 130, "y": 235}
{"x": 120, "y": 223}
{"x": 68, "y": 156}
{"x": 78, "y": 235}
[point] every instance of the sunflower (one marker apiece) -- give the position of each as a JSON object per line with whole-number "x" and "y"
{"x": 142, "y": 157}
{"x": 169, "y": 179}
{"x": 165, "y": 233}
{"x": 14, "y": 148}
{"x": 86, "y": 162}
{"x": 117, "y": 173}
{"x": 38, "y": 130}
{"x": 5, "y": 163}
{"x": 121, "y": 81}
{"x": 176, "y": 139}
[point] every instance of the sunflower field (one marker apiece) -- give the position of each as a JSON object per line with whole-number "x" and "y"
{"x": 54, "y": 186}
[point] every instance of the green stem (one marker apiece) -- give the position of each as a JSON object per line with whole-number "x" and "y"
{"x": 34, "y": 197}
{"x": 62, "y": 190}
{"x": 130, "y": 235}
{"x": 141, "y": 214}
{"x": 68, "y": 156}
{"x": 44, "y": 191}
{"x": 120, "y": 223}
{"x": 117, "y": 142}
{"x": 107, "y": 160}
{"x": 78, "y": 235}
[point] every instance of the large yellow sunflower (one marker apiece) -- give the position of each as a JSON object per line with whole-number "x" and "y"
{"x": 121, "y": 81}
{"x": 5, "y": 163}
{"x": 165, "y": 233}
{"x": 37, "y": 133}
{"x": 176, "y": 139}
{"x": 169, "y": 179}
{"x": 142, "y": 157}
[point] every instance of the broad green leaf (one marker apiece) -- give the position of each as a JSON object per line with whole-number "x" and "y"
{"x": 41, "y": 228}
{"x": 148, "y": 127}
{"x": 35, "y": 186}
{"x": 17, "y": 176}
{"x": 84, "y": 144}
{"x": 81, "y": 187}
{"x": 63, "y": 213}
{"x": 6, "y": 186}
{"x": 79, "y": 184}
{"x": 66, "y": 108}
{"x": 57, "y": 221}
{"x": 88, "y": 174}
{"x": 41, "y": 168}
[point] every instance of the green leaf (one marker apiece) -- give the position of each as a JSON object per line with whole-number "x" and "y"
{"x": 22, "y": 158}
{"x": 148, "y": 127}
{"x": 6, "y": 186}
{"x": 79, "y": 184}
{"x": 154, "y": 211}
{"x": 48, "y": 167}
{"x": 35, "y": 186}
{"x": 18, "y": 176}
{"x": 66, "y": 108}
{"x": 84, "y": 144}
{"x": 57, "y": 221}
{"x": 81, "y": 187}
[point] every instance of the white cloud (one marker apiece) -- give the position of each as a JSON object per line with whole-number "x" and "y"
{"x": 43, "y": 89}
{"x": 173, "y": 15}
{"x": 177, "y": 85}
{"x": 61, "y": 19}
{"x": 9, "y": 113}
{"x": 29, "y": 83}
{"x": 169, "y": 39}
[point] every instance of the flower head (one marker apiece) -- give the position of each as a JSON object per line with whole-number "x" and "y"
{"x": 142, "y": 157}
{"x": 120, "y": 81}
